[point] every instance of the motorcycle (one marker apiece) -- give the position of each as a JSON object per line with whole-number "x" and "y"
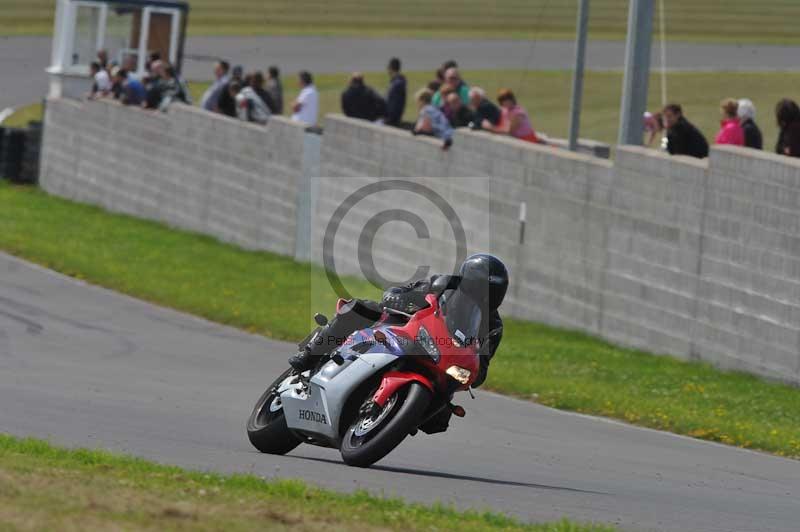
{"x": 383, "y": 383}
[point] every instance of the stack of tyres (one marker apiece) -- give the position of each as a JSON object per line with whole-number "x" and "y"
{"x": 2, "y": 151}
{"x": 12, "y": 151}
{"x": 30, "y": 159}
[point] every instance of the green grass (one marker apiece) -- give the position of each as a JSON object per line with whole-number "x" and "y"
{"x": 772, "y": 21}
{"x": 545, "y": 94}
{"x": 558, "y": 368}
{"x": 43, "y": 487}
{"x": 23, "y": 115}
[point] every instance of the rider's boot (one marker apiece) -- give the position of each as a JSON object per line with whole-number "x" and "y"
{"x": 353, "y": 316}
{"x": 303, "y": 360}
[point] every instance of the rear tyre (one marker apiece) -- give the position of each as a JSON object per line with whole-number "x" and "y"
{"x": 377, "y": 431}
{"x": 267, "y": 427}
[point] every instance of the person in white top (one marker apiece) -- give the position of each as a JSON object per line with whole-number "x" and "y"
{"x": 306, "y": 106}
{"x": 101, "y": 85}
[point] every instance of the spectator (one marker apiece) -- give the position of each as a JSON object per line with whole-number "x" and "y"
{"x": 452, "y": 79}
{"x": 515, "y": 121}
{"x": 131, "y": 89}
{"x": 275, "y": 89}
{"x": 102, "y": 59}
{"x": 396, "y": 96}
{"x": 787, "y": 114}
{"x": 306, "y": 106}
{"x": 459, "y": 114}
{"x": 101, "y": 84}
{"x": 683, "y": 138}
{"x": 434, "y": 85}
{"x": 653, "y": 125}
{"x": 129, "y": 64}
{"x": 232, "y": 89}
{"x": 253, "y": 103}
{"x": 259, "y": 83}
{"x": 226, "y": 104}
{"x": 431, "y": 121}
{"x": 210, "y": 99}
{"x": 730, "y": 131}
{"x": 483, "y": 109}
{"x": 361, "y": 101}
{"x": 172, "y": 89}
{"x": 154, "y": 84}
{"x": 116, "y": 83}
{"x": 746, "y": 112}
{"x": 154, "y": 56}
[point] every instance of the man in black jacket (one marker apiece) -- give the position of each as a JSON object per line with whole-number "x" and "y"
{"x": 361, "y": 101}
{"x": 396, "y": 96}
{"x": 683, "y": 138}
{"x": 481, "y": 282}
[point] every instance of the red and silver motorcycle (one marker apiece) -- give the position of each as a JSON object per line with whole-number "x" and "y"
{"x": 385, "y": 382}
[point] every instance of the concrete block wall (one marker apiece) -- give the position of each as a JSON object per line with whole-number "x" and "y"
{"x": 188, "y": 168}
{"x": 653, "y": 250}
{"x": 697, "y": 259}
{"x": 355, "y": 154}
{"x": 748, "y": 314}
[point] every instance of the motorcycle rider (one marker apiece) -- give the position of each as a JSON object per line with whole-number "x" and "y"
{"x": 482, "y": 278}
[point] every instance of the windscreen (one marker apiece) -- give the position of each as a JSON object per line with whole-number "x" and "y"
{"x": 462, "y": 316}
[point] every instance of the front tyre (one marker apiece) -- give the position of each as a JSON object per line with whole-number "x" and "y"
{"x": 377, "y": 431}
{"x": 267, "y": 427}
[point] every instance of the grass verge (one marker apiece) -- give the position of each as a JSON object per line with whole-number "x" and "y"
{"x": 557, "y": 368}
{"x": 43, "y": 487}
{"x": 23, "y": 115}
{"x": 769, "y": 21}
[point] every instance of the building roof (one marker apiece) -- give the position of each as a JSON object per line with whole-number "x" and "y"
{"x": 183, "y": 6}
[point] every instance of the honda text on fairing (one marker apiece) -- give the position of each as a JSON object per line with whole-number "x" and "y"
{"x": 385, "y": 382}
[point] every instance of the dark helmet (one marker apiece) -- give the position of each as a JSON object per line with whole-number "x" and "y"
{"x": 485, "y": 278}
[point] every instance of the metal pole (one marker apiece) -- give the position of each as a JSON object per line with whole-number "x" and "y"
{"x": 577, "y": 74}
{"x": 637, "y": 71}
{"x": 663, "y": 39}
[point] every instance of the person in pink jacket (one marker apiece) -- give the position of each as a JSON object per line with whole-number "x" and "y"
{"x": 731, "y": 131}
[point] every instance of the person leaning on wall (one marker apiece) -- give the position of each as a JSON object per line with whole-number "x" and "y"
{"x": 747, "y": 119}
{"x": 787, "y": 115}
{"x": 683, "y": 138}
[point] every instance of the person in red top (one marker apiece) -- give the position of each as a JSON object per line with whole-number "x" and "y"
{"x": 731, "y": 131}
{"x": 515, "y": 121}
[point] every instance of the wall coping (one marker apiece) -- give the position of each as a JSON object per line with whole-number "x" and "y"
{"x": 523, "y": 145}
{"x": 763, "y": 155}
{"x": 179, "y": 109}
{"x": 701, "y": 164}
{"x": 191, "y": 109}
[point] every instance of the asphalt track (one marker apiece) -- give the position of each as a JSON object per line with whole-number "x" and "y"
{"x": 83, "y": 366}
{"x": 23, "y": 59}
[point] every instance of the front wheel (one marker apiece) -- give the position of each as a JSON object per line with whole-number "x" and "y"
{"x": 377, "y": 431}
{"x": 267, "y": 427}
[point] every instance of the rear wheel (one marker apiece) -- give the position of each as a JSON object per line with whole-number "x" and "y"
{"x": 266, "y": 426}
{"x": 377, "y": 431}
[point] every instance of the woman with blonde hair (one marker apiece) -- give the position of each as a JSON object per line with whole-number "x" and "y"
{"x": 515, "y": 121}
